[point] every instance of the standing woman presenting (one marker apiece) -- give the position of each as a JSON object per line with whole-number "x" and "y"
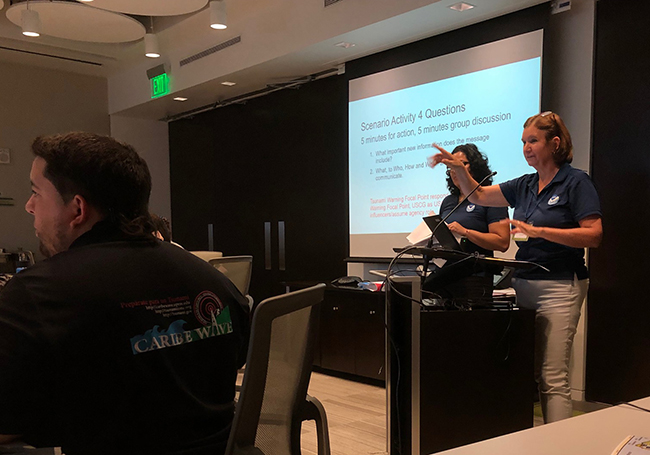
{"x": 557, "y": 215}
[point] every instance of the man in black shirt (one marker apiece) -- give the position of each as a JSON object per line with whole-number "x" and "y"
{"x": 118, "y": 342}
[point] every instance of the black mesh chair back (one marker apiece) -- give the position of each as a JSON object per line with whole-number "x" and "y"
{"x": 273, "y": 402}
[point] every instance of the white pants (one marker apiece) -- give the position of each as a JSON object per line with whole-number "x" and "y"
{"x": 558, "y": 304}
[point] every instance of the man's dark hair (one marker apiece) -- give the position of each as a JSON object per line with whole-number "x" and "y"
{"x": 478, "y": 166}
{"x": 108, "y": 174}
{"x": 162, "y": 225}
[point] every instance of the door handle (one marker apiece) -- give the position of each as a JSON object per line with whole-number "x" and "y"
{"x": 267, "y": 245}
{"x": 282, "y": 256}
{"x": 210, "y": 237}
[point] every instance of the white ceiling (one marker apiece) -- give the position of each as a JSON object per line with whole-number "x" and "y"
{"x": 76, "y": 21}
{"x": 305, "y": 47}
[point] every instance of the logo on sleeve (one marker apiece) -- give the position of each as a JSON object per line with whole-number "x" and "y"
{"x": 470, "y": 208}
{"x": 554, "y": 199}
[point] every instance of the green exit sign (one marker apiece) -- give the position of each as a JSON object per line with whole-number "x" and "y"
{"x": 159, "y": 85}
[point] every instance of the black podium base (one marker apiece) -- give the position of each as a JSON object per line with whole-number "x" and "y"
{"x": 458, "y": 377}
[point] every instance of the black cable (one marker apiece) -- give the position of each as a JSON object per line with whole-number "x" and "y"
{"x": 433, "y": 233}
{"x": 633, "y": 405}
{"x": 434, "y": 295}
{"x": 399, "y": 375}
{"x": 506, "y": 334}
{"x": 390, "y": 285}
{"x": 455, "y": 264}
{"x": 389, "y": 274}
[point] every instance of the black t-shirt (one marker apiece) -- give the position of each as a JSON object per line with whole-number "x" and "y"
{"x": 121, "y": 346}
{"x": 474, "y": 217}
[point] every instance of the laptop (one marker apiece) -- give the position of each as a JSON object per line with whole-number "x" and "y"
{"x": 442, "y": 233}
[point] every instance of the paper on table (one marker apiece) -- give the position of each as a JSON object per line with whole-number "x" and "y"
{"x": 422, "y": 233}
{"x": 633, "y": 445}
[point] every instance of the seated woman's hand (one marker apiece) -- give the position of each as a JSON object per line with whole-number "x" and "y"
{"x": 458, "y": 228}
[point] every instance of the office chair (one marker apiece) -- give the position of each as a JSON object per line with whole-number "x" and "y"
{"x": 207, "y": 255}
{"x": 237, "y": 268}
{"x": 274, "y": 401}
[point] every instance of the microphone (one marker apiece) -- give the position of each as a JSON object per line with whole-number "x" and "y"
{"x": 425, "y": 266}
{"x": 491, "y": 174}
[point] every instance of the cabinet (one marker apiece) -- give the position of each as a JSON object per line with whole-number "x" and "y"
{"x": 352, "y": 333}
{"x": 270, "y": 176}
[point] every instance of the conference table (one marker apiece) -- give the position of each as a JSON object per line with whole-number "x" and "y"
{"x": 598, "y": 432}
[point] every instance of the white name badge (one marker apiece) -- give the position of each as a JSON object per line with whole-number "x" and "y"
{"x": 519, "y": 237}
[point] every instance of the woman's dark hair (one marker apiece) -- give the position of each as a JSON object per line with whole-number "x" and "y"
{"x": 108, "y": 174}
{"x": 478, "y": 166}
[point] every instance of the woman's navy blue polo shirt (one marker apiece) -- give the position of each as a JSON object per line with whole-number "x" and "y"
{"x": 474, "y": 217}
{"x": 567, "y": 199}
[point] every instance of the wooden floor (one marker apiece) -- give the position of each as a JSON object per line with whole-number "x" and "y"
{"x": 356, "y": 416}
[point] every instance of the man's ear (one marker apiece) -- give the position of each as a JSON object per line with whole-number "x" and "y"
{"x": 82, "y": 213}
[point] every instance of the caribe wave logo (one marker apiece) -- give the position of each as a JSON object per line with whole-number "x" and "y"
{"x": 208, "y": 310}
{"x": 207, "y": 305}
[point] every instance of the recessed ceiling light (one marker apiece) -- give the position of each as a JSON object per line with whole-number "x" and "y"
{"x": 180, "y": 98}
{"x": 345, "y": 45}
{"x": 228, "y": 83}
{"x": 461, "y": 6}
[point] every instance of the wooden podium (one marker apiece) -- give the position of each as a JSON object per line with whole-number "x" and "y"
{"x": 455, "y": 377}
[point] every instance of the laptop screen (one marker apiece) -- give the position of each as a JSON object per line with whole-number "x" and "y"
{"x": 442, "y": 233}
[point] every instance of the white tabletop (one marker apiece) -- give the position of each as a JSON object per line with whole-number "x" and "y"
{"x": 598, "y": 432}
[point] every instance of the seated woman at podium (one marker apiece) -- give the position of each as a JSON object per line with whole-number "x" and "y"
{"x": 479, "y": 226}
{"x": 557, "y": 215}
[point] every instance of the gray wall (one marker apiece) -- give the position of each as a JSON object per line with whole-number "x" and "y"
{"x": 34, "y": 102}
{"x": 568, "y": 85}
{"x": 568, "y": 90}
{"x": 151, "y": 139}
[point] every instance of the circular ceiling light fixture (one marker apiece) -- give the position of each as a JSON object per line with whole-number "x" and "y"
{"x": 79, "y": 22}
{"x": 151, "y": 7}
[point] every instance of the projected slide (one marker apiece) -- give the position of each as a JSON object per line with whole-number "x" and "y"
{"x": 390, "y": 137}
